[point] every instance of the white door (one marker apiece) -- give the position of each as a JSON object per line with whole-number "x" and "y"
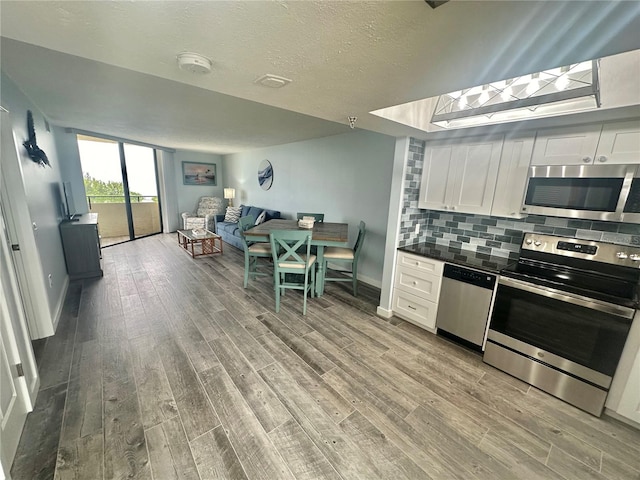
{"x": 19, "y": 380}
{"x": 566, "y": 145}
{"x": 22, "y": 232}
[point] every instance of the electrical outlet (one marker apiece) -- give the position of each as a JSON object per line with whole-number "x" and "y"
{"x": 417, "y": 230}
{"x": 50, "y": 281}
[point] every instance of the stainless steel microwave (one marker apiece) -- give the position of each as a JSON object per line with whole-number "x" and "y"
{"x": 595, "y": 192}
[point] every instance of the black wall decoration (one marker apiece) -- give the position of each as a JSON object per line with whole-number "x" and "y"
{"x": 35, "y": 153}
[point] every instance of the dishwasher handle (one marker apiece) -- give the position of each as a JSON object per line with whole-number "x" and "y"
{"x": 467, "y": 275}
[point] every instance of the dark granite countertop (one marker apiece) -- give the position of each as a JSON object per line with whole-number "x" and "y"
{"x": 465, "y": 258}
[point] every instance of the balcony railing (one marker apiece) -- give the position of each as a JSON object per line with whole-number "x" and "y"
{"x": 112, "y": 216}
{"x": 120, "y": 198}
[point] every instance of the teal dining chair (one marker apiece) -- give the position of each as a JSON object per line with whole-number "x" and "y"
{"x": 319, "y": 217}
{"x": 252, "y": 251}
{"x": 290, "y": 266}
{"x": 345, "y": 255}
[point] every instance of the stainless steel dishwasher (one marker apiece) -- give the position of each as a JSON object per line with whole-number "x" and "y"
{"x": 464, "y": 304}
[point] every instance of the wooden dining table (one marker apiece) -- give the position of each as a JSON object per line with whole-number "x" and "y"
{"x": 323, "y": 234}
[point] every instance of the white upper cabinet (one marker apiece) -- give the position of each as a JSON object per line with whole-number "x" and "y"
{"x": 512, "y": 177}
{"x": 460, "y": 177}
{"x": 435, "y": 191}
{"x": 619, "y": 143}
{"x": 475, "y": 179}
{"x": 566, "y": 145}
{"x": 615, "y": 143}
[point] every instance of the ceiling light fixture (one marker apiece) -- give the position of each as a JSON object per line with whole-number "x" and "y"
{"x": 194, "y": 63}
{"x": 565, "y": 89}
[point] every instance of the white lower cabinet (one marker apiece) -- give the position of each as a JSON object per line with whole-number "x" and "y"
{"x": 416, "y": 289}
{"x": 624, "y": 395}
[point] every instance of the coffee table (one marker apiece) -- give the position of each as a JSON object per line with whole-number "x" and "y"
{"x": 197, "y": 245}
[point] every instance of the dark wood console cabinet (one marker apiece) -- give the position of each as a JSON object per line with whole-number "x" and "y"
{"x": 81, "y": 244}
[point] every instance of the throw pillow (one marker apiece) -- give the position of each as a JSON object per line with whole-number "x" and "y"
{"x": 233, "y": 214}
{"x": 261, "y": 218}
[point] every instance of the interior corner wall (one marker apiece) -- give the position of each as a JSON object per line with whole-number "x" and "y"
{"x": 43, "y": 187}
{"x": 71, "y": 166}
{"x": 347, "y": 177}
{"x": 188, "y": 195}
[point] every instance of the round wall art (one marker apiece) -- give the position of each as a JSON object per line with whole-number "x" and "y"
{"x": 265, "y": 174}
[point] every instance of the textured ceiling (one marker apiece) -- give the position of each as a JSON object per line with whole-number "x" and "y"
{"x": 110, "y": 67}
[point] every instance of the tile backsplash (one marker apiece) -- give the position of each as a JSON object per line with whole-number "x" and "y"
{"x": 491, "y": 235}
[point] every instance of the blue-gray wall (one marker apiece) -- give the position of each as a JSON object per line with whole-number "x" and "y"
{"x": 347, "y": 177}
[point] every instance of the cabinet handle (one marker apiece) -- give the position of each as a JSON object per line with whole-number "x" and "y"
{"x": 412, "y": 308}
{"x": 453, "y": 207}
{"x": 586, "y": 159}
{"x": 445, "y": 207}
{"x": 415, "y": 283}
{"x": 417, "y": 264}
{"x": 602, "y": 159}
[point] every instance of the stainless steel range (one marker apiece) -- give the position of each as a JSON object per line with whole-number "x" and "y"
{"x": 562, "y": 315}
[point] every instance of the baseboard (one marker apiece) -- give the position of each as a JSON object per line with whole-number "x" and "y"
{"x": 620, "y": 418}
{"x": 361, "y": 278}
{"x": 383, "y": 312}
{"x": 58, "y": 311}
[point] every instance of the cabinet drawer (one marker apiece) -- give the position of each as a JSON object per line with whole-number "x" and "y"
{"x": 423, "y": 284}
{"x": 415, "y": 309}
{"x": 420, "y": 263}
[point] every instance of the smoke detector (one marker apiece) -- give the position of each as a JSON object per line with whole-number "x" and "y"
{"x": 194, "y": 63}
{"x": 272, "y": 81}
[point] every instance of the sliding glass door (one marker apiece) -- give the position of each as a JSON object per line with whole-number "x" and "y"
{"x": 121, "y": 185}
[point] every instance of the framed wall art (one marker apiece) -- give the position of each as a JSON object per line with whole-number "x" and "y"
{"x": 194, "y": 173}
{"x": 265, "y": 174}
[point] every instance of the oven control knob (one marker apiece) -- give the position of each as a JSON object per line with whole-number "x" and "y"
{"x": 622, "y": 255}
{"x": 635, "y": 257}
{"x": 537, "y": 243}
{"x": 528, "y": 241}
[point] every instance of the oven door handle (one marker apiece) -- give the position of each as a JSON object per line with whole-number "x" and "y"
{"x": 586, "y": 302}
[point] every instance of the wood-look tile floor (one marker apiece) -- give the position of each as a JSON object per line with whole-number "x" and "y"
{"x": 167, "y": 368}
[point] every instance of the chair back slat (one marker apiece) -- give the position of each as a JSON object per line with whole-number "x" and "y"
{"x": 360, "y": 240}
{"x": 285, "y": 245}
{"x": 244, "y": 224}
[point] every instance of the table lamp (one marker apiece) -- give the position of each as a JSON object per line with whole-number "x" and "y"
{"x": 230, "y": 194}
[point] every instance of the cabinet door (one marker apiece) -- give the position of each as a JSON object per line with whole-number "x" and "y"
{"x": 417, "y": 310}
{"x": 475, "y": 176}
{"x": 435, "y": 191}
{"x": 566, "y": 145}
{"x": 629, "y": 406}
{"x": 81, "y": 250}
{"x": 619, "y": 143}
{"x": 512, "y": 177}
{"x": 424, "y": 285}
{"x": 422, "y": 264}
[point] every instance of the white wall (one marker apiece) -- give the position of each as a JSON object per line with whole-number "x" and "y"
{"x": 188, "y": 195}
{"x": 347, "y": 177}
{"x": 43, "y": 187}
